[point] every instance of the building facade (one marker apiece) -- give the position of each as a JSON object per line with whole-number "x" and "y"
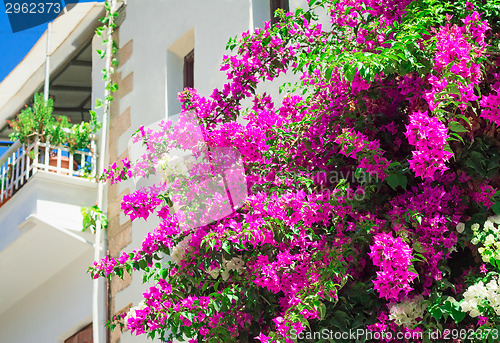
{"x": 164, "y": 45}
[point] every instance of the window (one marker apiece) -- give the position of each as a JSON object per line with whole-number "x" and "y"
{"x": 82, "y": 336}
{"x": 189, "y": 70}
{"x": 179, "y": 71}
{"x": 274, "y": 5}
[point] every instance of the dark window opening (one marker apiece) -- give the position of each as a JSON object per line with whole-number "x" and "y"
{"x": 189, "y": 70}
{"x": 274, "y": 5}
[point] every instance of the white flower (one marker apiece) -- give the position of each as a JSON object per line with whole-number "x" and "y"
{"x": 495, "y": 219}
{"x": 214, "y": 273}
{"x": 131, "y": 313}
{"x": 236, "y": 264}
{"x": 406, "y": 313}
{"x": 474, "y": 312}
{"x": 480, "y": 293}
{"x": 225, "y": 275}
{"x": 488, "y": 225}
{"x": 176, "y": 165}
{"x": 460, "y": 227}
{"x": 490, "y": 239}
{"x": 475, "y": 227}
{"x": 492, "y": 286}
{"x": 178, "y": 252}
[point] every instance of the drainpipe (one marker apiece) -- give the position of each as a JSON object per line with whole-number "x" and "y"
{"x": 99, "y": 295}
{"x": 47, "y": 65}
{"x": 250, "y": 16}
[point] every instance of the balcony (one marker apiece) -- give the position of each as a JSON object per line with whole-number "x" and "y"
{"x": 22, "y": 161}
{"x": 42, "y": 192}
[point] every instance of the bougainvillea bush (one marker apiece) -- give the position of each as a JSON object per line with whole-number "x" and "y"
{"x": 366, "y": 200}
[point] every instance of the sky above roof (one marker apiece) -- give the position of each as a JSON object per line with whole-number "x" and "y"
{"x": 14, "y": 46}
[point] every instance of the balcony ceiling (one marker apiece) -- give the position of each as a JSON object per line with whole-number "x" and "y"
{"x": 34, "y": 258}
{"x": 71, "y": 87}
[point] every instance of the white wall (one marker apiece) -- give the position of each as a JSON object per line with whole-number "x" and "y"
{"x": 51, "y": 197}
{"x": 55, "y": 310}
{"x": 155, "y": 25}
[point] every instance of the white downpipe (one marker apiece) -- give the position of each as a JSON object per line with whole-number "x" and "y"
{"x": 47, "y": 64}
{"x": 250, "y": 16}
{"x": 99, "y": 285}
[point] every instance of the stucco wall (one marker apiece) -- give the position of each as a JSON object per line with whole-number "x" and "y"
{"x": 55, "y": 310}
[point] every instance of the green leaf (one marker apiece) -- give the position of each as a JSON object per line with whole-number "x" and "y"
{"x": 453, "y": 137}
{"x": 496, "y": 208}
{"x": 349, "y": 73}
{"x": 403, "y": 181}
{"x": 393, "y": 181}
{"x": 119, "y": 272}
{"x": 226, "y": 246}
{"x": 365, "y": 72}
{"x": 455, "y": 126}
{"x": 461, "y": 116}
{"x": 457, "y": 315}
{"x": 129, "y": 268}
{"x": 322, "y": 310}
{"x": 328, "y": 73}
{"x": 436, "y": 312}
{"x": 418, "y": 218}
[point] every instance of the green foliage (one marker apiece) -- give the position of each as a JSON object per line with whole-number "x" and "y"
{"x": 106, "y": 31}
{"x": 38, "y": 121}
{"x": 444, "y": 308}
{"x": 90, "y": 217}
{"x": 482, "y": 159}
{"x": 33, "y": 120}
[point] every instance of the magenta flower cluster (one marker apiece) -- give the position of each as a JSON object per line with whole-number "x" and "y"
{"x": 428, "y": 136}
{"x": 457, "y": 52}
{"x": 393, "y": 256}
{"x": 491, "y": 103}
{"x": 139, "y": 204}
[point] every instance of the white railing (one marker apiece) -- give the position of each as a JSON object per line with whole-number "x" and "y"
{"x": 22, "y": 161}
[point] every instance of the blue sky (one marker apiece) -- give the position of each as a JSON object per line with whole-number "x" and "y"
{"x": 14, "y": 46}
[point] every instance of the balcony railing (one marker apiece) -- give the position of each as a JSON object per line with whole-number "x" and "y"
{"x": 22, "y": 161}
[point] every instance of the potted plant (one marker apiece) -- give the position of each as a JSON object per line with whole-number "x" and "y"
{"x": 38, "y": 121}
{"x": 33, "y": 121}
